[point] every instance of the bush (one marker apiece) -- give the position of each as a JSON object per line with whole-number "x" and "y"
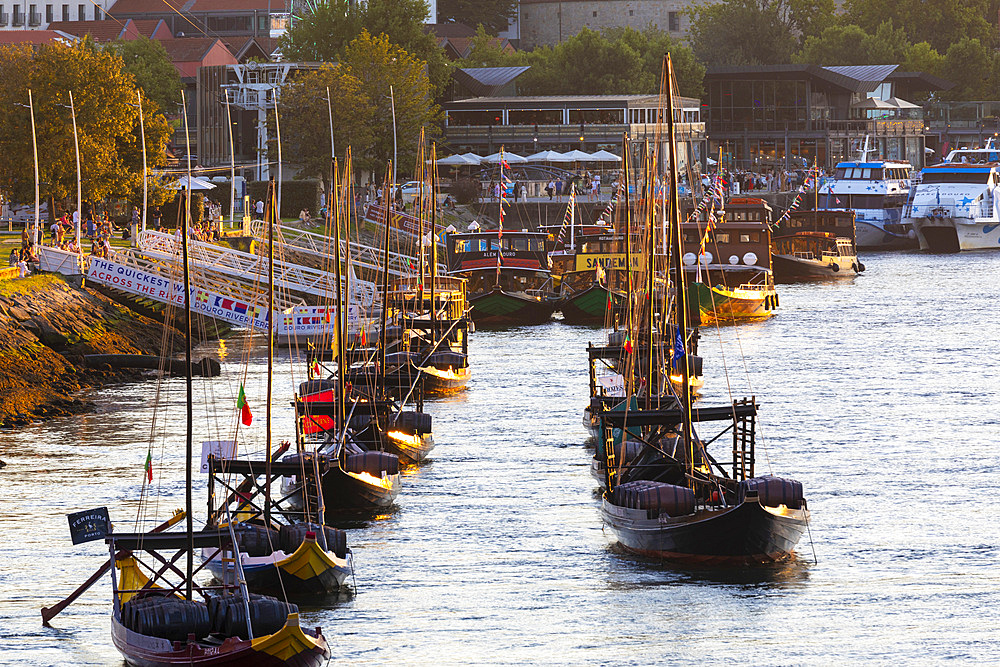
{"x": 466, "y": 191}
{"x": 171, "y": 217}
{"x": 295, "y": 196}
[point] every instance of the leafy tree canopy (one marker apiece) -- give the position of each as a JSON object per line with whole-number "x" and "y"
{"x": 363, "y": 114}
{"x": 614, "y": 61}
{"x": 940, "y": 23}
{"x": 324, "y": 33}
{"x": 755, "y": 32}
{"x": 494, "y": 15}
{"x": 104, "y": 96}
{"x": 147, "y": 61}
{"x": 305, "y": 115}
{"x": 851, "y": 45}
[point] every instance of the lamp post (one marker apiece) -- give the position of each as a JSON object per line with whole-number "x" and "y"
{"x": 392, "y": 103}
{"x": 34, "y": 146}
{"x": 145, "y": 178}
{"x": 232, "y": 165}
{"x": 79, "y": 189}
{"x": 277, "y": 131}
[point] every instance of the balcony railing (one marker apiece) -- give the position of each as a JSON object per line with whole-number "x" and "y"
{"x": 35, "y": 19}
{"x": 18, "y": 20}
{"x": 4, "y": 18}
{"x": 563, "y": 133}
{"x": 834, "y": 128}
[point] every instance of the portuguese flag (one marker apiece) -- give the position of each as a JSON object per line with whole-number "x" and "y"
{"x": 149, "y": 465}
{"x": 241, "y": 405}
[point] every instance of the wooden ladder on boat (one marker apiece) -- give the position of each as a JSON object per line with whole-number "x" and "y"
{"x": 744, "y": 429}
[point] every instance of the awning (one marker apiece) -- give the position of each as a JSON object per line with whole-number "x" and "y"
{"x": 604, "y": 156}
{"x": 458, "y": 160}
{"x": 508, "y": 157}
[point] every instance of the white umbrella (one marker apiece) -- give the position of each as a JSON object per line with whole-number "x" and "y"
{"x": 546, "y": 156}
{"x": 195, "y": 184}
{"x": 605, "y": 156}
{"x": 577, "y": 156}
{"x": 473, "y": 156}
{"x": 509, "y": 157}
{"x": 458, "y": 161}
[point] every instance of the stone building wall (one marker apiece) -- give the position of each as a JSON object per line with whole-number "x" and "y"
{"x": 547, "y": 22}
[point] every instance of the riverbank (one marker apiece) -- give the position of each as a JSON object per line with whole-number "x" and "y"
{"x": 47, "y": 325}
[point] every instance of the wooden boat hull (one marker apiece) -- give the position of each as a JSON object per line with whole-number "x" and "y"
{"x": 290, "y": 647}
{"x": 503, "y": 308}
{"x": 719, "y": 305}
{"x": 410, "y": 448}
{"x": 358, "y": 491}
{"x": 298, "y": 575}
{"x": 591, "y": 306}
{"x": 745, "y": 534}
{"x": 440, "y": 381}
{"x": 788, "y": 267}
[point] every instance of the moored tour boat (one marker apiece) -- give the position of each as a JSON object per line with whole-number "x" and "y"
{"x": 815, "y": 244}
{"x": 956, "y": 206}
{"x": 728, "y": 263}
{"x": 509, "y": 282}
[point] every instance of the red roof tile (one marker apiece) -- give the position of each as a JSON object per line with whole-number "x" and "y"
{"x": 29, "y": 36}
{"x": 99, "y": 31}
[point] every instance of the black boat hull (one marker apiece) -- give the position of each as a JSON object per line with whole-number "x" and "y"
{"x": 347, "y": 491}
{"x": 745, "y": 534}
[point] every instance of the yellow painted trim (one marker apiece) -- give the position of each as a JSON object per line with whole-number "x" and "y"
{"x": 308, "y": 561}
{"x": 287, "y": 642}
{"x": 131, "y": 578}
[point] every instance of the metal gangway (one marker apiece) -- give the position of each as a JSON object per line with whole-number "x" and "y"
{"x": 222, "y": 265}
{"x": 321, "y": 246}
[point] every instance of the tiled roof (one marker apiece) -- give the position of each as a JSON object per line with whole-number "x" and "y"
{"x": 188, "y": 49}
{"x": 161, "y": 6}
{"x": 29, "y": 36}
{"x": 99, "y": 31}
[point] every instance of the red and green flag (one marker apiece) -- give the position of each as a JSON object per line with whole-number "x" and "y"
{"x": 241, "y": 405}
{"x": 149, "y": 465}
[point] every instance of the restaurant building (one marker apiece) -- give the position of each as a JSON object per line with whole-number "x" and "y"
{"x": 790, "y": 116}
{"x": 530, "y": 124}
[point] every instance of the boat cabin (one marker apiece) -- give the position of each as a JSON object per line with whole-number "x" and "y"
{"x": 449, "y": 296}
{"x": 836, "y": 222}
{"x": 816, "y": 246}
{"x": 518, "y": 257}
{"x": 741, "y": 240}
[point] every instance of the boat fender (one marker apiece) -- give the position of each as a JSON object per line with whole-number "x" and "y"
{"x": 835, "y": 267}
{"x": 861, "y": 267}
{"x": 775, "y": 298}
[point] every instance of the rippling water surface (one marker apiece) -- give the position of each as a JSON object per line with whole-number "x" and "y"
{"x": 880, "y": 394}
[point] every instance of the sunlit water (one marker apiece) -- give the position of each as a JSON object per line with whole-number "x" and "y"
{"x": 880, "y": 394}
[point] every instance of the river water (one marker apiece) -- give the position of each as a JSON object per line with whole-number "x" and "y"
{"x": 879, "y": 393}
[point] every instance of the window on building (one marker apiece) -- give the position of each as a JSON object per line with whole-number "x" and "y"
{"x": 3, "y": 16}
{"x": 48, "y": 13}
{"x": 18, "y": 16}
{"x": 81, "y": 12}
{"x": 595, "y": 15}
{"x": 34, "y": 18}
{"x": 631, "y": 12}
{"x": 535, "y": 117}
{"x": 65, "y": 12}
{"x": 674, "y": 21}
{"x": 595, "y": 116}
{"x": 98, "y": 14}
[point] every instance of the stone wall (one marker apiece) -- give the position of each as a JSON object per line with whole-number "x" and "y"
{"x": 547, "y": 22}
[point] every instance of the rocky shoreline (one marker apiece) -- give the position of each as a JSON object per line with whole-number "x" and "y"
{"x": 47, "y": 325}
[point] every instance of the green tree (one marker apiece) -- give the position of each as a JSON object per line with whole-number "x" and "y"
{"x": 744, "y": 32}
{"x": 324, "y": 33}
{"x": 968, "y": 64}
{"x": 107, "y": 121}
{"x": 305, "y": 117}
{"x": 851, "y": 45}
{"x": 485, "y": 50}
{"x": 921, "y": 57}
{"x": 940, "y": 23}
{"x": 147, "y": 61}
{"x": 376, "y": 63}
{"x": 494, "y": 15}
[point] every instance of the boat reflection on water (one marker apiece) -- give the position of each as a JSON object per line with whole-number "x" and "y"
{"x": 790, "y": 573}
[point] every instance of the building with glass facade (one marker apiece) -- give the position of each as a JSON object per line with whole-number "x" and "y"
{"x": 790, "y": 116}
